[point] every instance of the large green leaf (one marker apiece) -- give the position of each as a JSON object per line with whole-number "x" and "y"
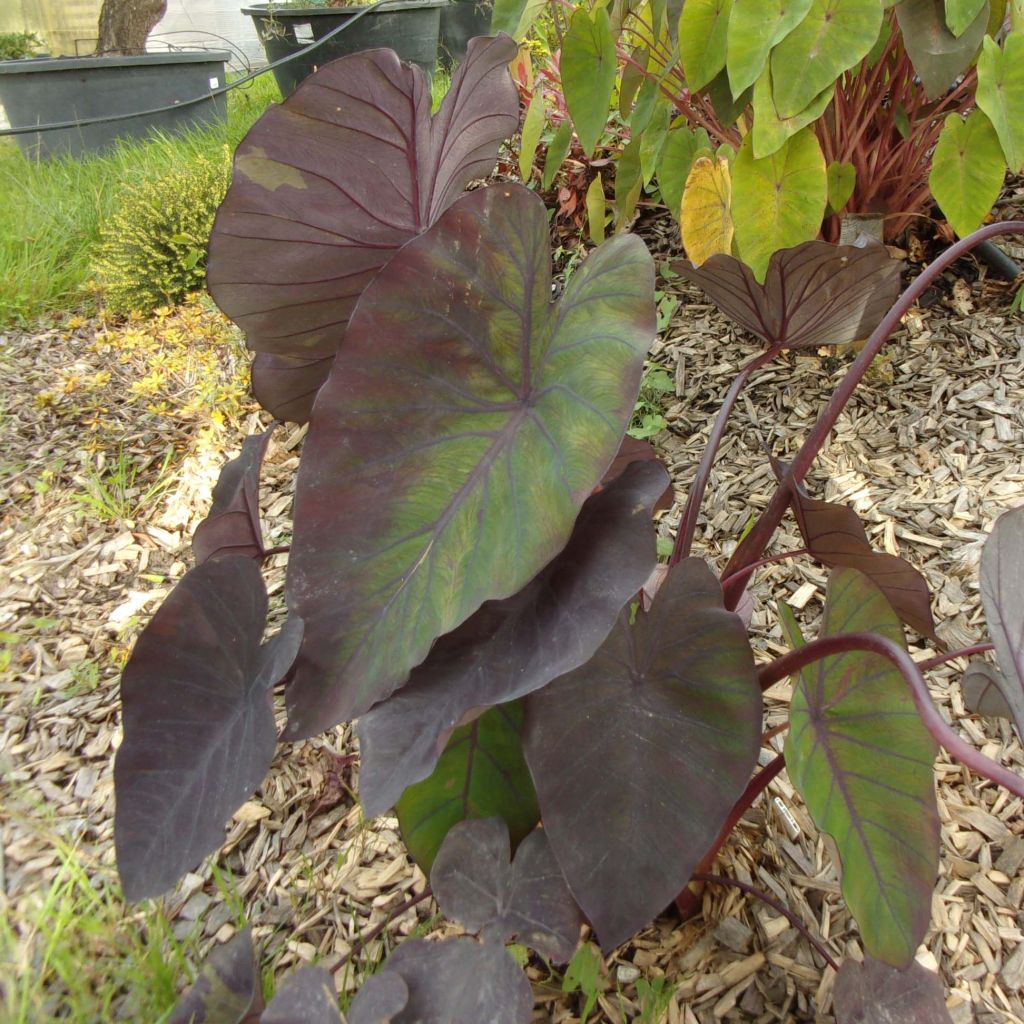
{"x": 588, "y": 66}
{"x": 515, "y": 17}
{"x": 779, "y": 201}
{"x": 842, "y": 180}
{"x": 703, "y": 28}
{"x": 639, "y": 755}
{"x": 682, "y": 146}
{"x": 481, "y": 774}
{"x": 754, "y": 28}
{"x": 861, "y": 758}
{"x": 1001, "y": 94}
{"x": 960, "y": 14}
{"x": 938, "y": 56}
{"x": 770, "y": 130}
{"x": 448, "y": 456}
{"x": 835, "y": 35}
{"x": 967, "y": 170}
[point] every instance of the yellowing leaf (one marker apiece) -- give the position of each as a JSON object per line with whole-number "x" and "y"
{"x": 706, "y": 215}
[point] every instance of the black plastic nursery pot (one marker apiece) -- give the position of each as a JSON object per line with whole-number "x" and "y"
{"x": 461, "y": 21}
{"x": 409, "y": 27}
{"x": 58, "y": 89}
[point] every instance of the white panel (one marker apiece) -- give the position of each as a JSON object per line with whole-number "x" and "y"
{"x": 190, "y": 23}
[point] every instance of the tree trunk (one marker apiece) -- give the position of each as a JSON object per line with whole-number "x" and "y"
{"x": 126, "y": 24}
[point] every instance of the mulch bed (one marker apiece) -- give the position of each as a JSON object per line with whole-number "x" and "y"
{"x": 928, "y": 453}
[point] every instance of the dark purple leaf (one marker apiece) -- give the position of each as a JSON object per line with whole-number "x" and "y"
{"x": 380, "y": 999}
{"x": 227, "y": 990}
{"x": 814, "y": 294}
{"x": 330, "y": 183}
{"x": 198, "y": 723}
{"x": 510, "y": 648}
{"x": 476, "y": 883}
{"x": 459, "y": 981}
{"x": 233, "y": 525}
{"x": 635, "y": 450}
{"x": 466, "y": 420}
{"x": 481, "y": 774}
{"x": 307, "y": 996}
{"x": 983, "y": 687}
{"x": 938, "y": 56}
{"x": 1002, "y": 595}
{"x": 862, "y": 759}
{"x": 875, "y": 993}
{"x": 639, "y": 755}
{"x": 835, "y": 536}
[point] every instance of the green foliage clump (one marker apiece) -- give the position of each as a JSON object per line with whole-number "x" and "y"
{"x": 152, "y": 249}
{"x": 17, "y": 45}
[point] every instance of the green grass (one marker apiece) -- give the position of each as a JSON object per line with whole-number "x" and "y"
{"x": 51, "y": 211}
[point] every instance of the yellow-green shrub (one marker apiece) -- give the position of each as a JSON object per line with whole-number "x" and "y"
{"x": 152, "y": 250}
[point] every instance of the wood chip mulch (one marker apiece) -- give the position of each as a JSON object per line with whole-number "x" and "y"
{"x": 929, "y": 453}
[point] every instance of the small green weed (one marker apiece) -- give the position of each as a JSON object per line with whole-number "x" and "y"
{"x": 583, "y": 975}
{"x": 116, "y": 492}
{"x": 655, "y": 997}
{"x": 648, "y": 418}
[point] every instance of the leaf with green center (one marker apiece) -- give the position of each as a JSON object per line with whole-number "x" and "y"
{"x": 861, "y": 758}
{"x": 834, "y": 36}
{"x": 328, "y": 184}
{"x": 779, "y": 201}
{"x": 938, "y": 56}
{"x": 588, "y": 65}
{"x": 875, "y": 993}
{"x": 227, "y": 990}
{"x": 510, "y": 648}
{"x": 1002, "y": 595}
{"x": 842, "y": 179}
{"x": 967, "y": 170}
{"x": 813, "y": 294}
{"x": 960, "y": 14}
{"x": 198, "y": 721}
{"x": 682, "y": 146}
{"x": 703, "y": 32}
{"x": 481, "y": 774}
{"x": 753, "y": 31}
{"x": 640, "y": 754}
{"x": 467, "y": 421}
{"x": 770, "y": 130}
{"x": 1001, "y": 94}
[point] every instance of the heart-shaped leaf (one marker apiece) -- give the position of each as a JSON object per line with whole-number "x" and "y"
{"x": 198, "y": 722}
{"x": 875, "y": 993}
{"x": 456, "y": 981}
{"x": 682, "y": 146}
{"x": 706, "y": 217}
{"x": 938, "y": 56}
{"x": 306, "y": 996}
{"x": 754, "y": 28}
{"x": 960, "y": 14}
{"x": 588, "y": 65}
{"x": 1002, "y": 595}
{"x": 860, "y": 756}
{"x": 380, "y": 999}
{"x": 639, "y": 755}
{"x": 834, "y": 35}
{"x": 703, "y": 32}
{"x": 481, "y": 774}
{"x": 476, "y": 883}
{"x": 835, "y": 536}
{"x": 473, "y": 417}
{"x": 813, "y": 294}
{"x": 233, "y": 525}
{"x": 510, "y": 648}
{"x": 329, "y": 184}
{"x": 983, "y": 687}
{"x": 967, "y": 170}
{"x": 779, "y": 201}
{"x": 771, "y": 130}
{"x": 1001, "y": 93}
{"x": 227, "y": 990}
{"x": 842, "y": 179}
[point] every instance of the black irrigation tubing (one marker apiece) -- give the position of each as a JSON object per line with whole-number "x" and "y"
{"x": 64, "y": 125}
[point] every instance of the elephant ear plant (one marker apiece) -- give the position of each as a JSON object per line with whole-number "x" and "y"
{"x": 473, "y": 575}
